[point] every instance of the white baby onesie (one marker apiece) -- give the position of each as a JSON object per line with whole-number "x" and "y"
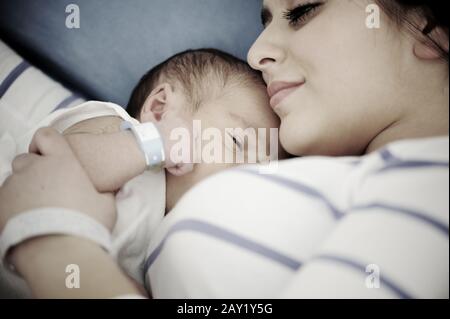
{"x": 140, "y": 202}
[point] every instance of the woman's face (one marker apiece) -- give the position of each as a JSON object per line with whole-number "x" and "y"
{"x": 349, "y": 82}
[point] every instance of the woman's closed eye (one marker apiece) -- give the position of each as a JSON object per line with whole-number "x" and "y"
{"x": 301, "y": 14}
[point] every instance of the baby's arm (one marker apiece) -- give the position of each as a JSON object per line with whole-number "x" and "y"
{"x": 110, "y": 156}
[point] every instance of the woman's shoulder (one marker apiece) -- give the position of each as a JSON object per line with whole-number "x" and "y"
{"x": 402, "y": 172}
{"x": 432, "y": 149}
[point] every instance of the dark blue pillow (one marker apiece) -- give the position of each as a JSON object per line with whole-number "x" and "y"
{"x": 118, "y": 41}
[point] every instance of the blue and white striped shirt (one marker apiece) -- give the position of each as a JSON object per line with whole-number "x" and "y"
{"x": 369, "y": 227}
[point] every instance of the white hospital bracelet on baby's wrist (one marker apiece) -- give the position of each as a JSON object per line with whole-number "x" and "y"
{"x": 50, "y": 221}
{"x": 150, "y": 142}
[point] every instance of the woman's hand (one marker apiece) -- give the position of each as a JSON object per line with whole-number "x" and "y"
{"x": 51, "y": 176}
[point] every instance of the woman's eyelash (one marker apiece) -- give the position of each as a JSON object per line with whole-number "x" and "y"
{"x": 301, "y": 13}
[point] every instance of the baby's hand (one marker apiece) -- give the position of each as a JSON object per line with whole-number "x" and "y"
{"x": 175, "y": 164}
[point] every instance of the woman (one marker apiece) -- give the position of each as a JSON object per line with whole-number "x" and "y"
{"x": 340, "y": 89}
{"x": 361, "y": 88}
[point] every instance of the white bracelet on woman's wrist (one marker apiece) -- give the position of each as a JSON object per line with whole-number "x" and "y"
{"x": 50, "y": 221}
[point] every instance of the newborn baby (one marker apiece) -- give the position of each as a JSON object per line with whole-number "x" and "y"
{"x": 209, "y": 86}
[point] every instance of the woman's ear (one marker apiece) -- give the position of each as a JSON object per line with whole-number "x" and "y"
{"x": 158, "y": 103}
{"x": 427, "y": 50}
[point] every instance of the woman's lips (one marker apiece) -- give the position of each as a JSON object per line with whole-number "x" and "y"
{"x": 278, "y": 91}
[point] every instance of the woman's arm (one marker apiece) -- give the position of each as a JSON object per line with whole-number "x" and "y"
{"x": 55, "y": 178}
{"x": 43, "y": 261}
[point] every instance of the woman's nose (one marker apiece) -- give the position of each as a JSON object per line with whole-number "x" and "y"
{"x": 264, "y": 54}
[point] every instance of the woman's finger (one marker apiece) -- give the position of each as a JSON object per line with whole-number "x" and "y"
{"x": 23, "y": 160}
{"x": 48, "y": 141}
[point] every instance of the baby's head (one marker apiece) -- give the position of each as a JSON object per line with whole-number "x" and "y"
{"x": 216, "y": 89}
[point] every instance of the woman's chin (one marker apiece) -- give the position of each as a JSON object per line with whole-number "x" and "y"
{"x": 291, "y": 140}
{"x": 306, "y": 140}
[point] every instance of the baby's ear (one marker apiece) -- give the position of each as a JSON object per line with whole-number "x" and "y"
{"x": 158, "y": 103}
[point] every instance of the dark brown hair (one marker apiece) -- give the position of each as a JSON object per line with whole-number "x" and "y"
{"x": 434, "y": 12}
{"x": 198, "y": 72}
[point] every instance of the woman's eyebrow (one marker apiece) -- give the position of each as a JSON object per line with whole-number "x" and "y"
{"x": 266, "y": 16}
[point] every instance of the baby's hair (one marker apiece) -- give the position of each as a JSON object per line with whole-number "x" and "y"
{"x": 202, "y": 74}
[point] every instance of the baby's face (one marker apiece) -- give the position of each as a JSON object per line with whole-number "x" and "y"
{"x": 224, "y": 121}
